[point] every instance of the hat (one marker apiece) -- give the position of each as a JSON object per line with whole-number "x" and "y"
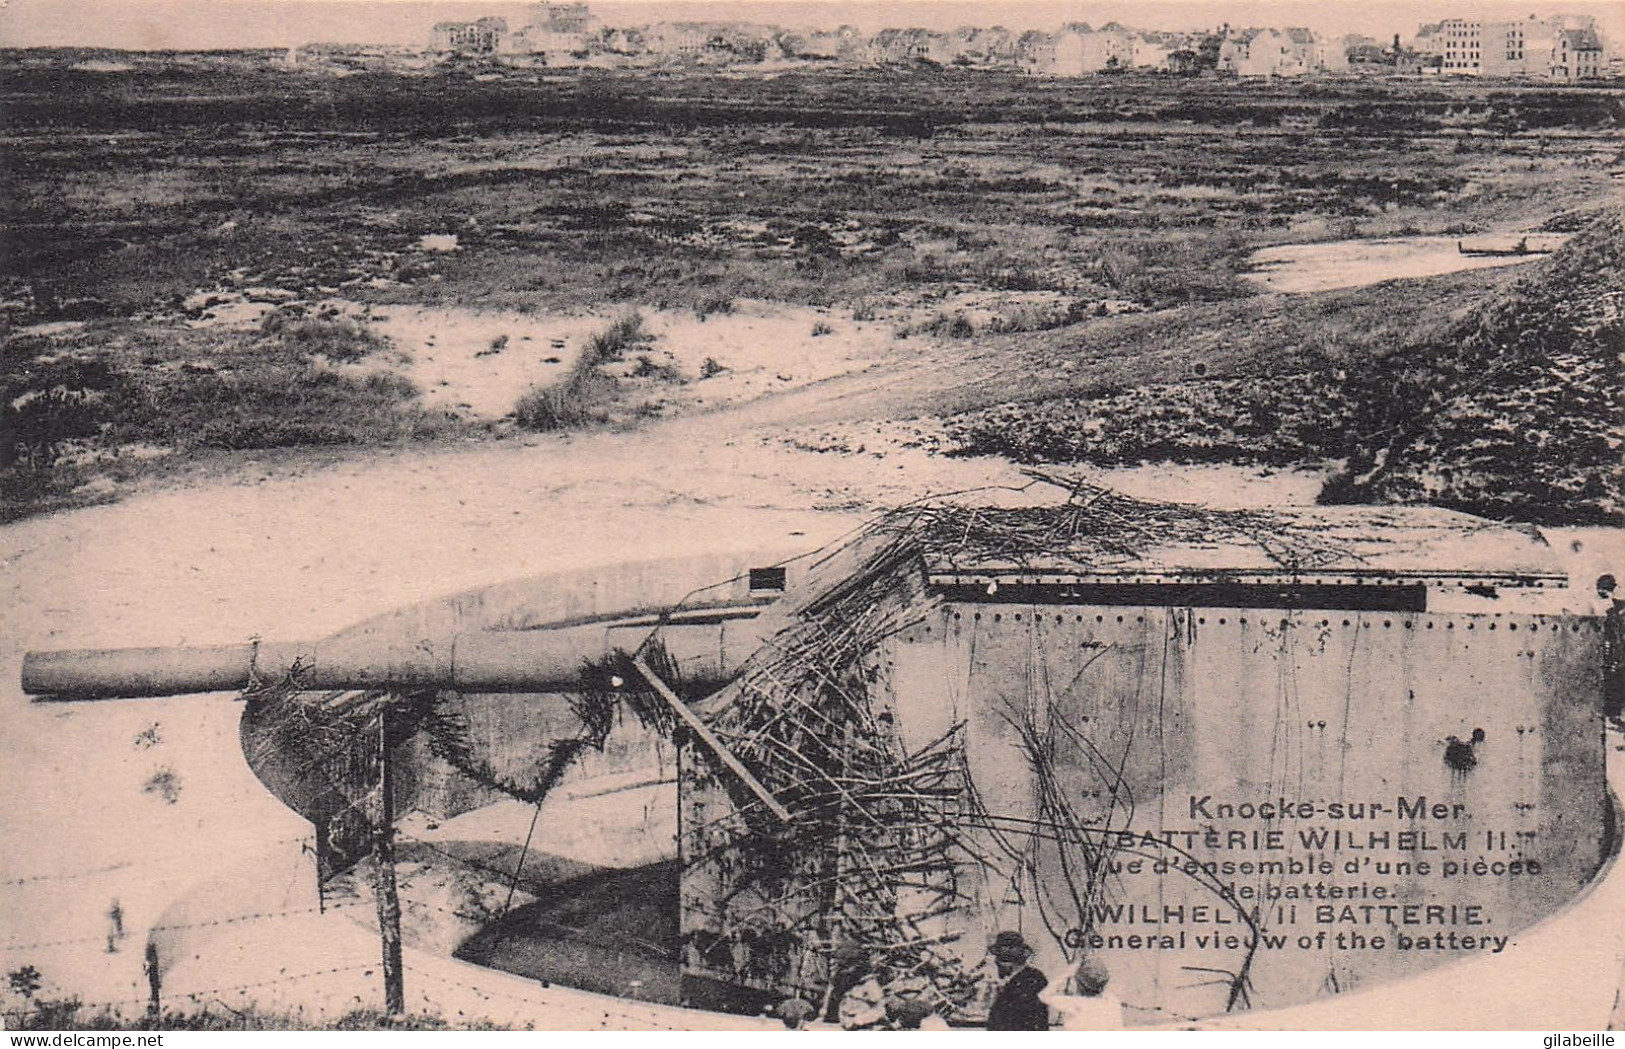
{"x": 1009, "y": 943}
{"x": 908, "y": 1012}
{"x": 795, "y": 1011}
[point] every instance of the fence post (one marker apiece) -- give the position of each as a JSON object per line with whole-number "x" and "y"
{"x": 155, "y": 980}
{"x": 384, "y": 888}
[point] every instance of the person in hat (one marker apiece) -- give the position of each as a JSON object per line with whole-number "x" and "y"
{"x": 1016, "y": 1006}
{"x": 795, "y": 1012}
{"x": 1613, "y": 650}
{"x": 855, "y": 999}
{"x": 907, "y": 1014}
{"x": 1089, "y": 1007}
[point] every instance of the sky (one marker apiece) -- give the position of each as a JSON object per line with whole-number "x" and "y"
{"x": 199, "y": 24}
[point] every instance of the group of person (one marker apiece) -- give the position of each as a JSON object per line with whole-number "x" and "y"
{"x": 861, "y": 997}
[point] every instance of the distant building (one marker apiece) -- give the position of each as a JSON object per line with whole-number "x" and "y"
{"x": 1428, "y": 44}
{"x": 1035, "y": 51}
{"x": 1460, "y": 43}
{"x": 1564, "y": 48}
{"x": 844, "y": 43}
{"x": 1078, "y": 50}
{"x": 624, "y": 42}
{"x": 800, "y": 45}
{"x": 1326, "y": 55}
{"x": 1512, "y": 48}
{"x": 711, "y": 43}
{"x": 1561, "y": 48}
{"x": 1395, "y": 58}
{"x": 564, "y": 18}
{"x": 1576, "y": 55}
{"x": 1157, "y": 50}
{"x": 557, "y": 34}
{"x": 676, "y": 39}
{"x": 1253, "y": 52}
{"x": 983, "y": 47}
{"x": 895, "y": 46}
{"x": 481, "y": 37}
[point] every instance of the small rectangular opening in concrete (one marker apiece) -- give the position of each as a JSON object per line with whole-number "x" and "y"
{"x": 767, "y": 579}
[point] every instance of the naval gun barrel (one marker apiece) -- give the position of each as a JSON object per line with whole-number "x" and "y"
{"x": 552, "y": 659}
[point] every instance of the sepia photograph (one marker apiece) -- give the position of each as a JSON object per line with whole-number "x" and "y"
{"x": 744, "y": 515}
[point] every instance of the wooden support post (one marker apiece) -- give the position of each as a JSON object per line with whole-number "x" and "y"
{"x": 709, "y": 738}
{"x": 385, "y": 891}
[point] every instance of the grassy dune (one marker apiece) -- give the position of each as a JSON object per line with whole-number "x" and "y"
{"x": 1512, "y": 407}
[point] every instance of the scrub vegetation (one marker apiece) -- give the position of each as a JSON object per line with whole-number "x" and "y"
{"x": 196, "y": 243}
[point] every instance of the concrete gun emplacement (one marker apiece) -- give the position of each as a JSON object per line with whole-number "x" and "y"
{"x": 1467, "y": 684}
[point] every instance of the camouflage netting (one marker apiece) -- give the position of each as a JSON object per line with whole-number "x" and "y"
{"x": 865, "y": 856}
{"x": 321, "y": 751}
{"x": 1099, "y": 528}
{"x": 595, "y": 708}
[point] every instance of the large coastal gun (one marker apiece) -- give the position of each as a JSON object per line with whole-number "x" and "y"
{"x": 540, "y": 661}
{"x": 698, "y": 649}
{"x": 527, "y": 636}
